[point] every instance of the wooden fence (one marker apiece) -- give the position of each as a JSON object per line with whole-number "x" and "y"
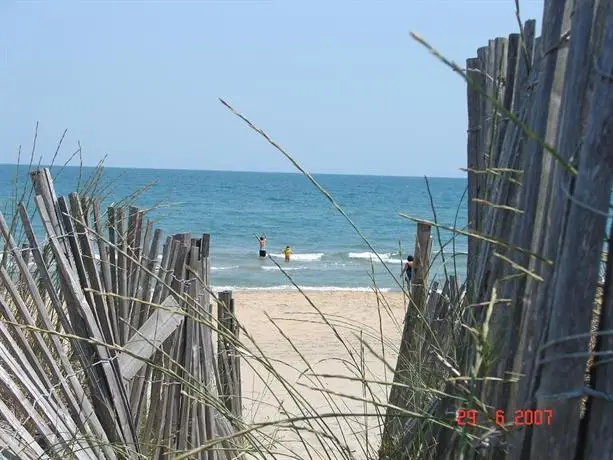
{"x": 536, "y": 370}
{"x": 541, "y": 191}
{"x": 106, "y": 347}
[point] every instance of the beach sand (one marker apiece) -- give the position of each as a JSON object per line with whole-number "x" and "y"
{"x": 314, "y": 343}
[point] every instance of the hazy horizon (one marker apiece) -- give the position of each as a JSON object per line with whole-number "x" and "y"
{"x": 34, "y": 165}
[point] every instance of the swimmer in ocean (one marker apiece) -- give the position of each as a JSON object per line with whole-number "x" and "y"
{"x": 287, "y": 252}
{"x": 263, "y": 245}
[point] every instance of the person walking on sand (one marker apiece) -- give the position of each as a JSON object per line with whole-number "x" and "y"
{"x": 263, "y": 245}
{"x": 407, "y": 270}
{"x": 287, "y": 252}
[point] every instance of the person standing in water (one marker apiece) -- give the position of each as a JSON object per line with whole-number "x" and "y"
{"x": 287, "y": 252}
{"x": 263, "y": 245}
{"x": 407, "y": 270}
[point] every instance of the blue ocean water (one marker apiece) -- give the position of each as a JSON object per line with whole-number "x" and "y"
{"x": 234, "y": 207}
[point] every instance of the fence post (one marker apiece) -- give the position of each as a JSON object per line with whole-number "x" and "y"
{"x": 227, "y": 356}
{"x": 392, "y": 445}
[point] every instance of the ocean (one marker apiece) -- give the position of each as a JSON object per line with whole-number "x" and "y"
{"x": 234, "y": 207}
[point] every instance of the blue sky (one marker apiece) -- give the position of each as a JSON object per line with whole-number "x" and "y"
{"x": 340, "y": 84}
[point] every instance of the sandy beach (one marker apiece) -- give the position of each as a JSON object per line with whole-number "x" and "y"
{"x": 312, "y": 347}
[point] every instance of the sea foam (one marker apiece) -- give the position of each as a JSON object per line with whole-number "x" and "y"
{"x": 304, "y": 257}
{"x": 385, "y": 257}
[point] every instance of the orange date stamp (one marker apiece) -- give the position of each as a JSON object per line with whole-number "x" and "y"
{"x": 519, "y": 417}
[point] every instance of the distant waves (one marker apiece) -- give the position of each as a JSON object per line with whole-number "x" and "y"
{"x": 318, "y": 260}
{"x": 305, "y": 257}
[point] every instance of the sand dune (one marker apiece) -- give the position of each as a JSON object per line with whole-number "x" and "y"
{"x": 316, "y": 349}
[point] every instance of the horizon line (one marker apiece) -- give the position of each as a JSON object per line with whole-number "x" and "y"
{"x": 232, "y": 171}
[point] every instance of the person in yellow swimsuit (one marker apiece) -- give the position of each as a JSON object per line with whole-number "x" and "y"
{"x": 287, "y": 252}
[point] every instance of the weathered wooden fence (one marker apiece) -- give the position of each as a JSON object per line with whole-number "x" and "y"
{"x": 105, "y": 342}
{"x": 542, "y": 199}
{"x": 540, "y": 171}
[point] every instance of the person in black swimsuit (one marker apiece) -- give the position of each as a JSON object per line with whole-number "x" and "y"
{"x": 263, "y": 246}
{"x": 407, "y": 270}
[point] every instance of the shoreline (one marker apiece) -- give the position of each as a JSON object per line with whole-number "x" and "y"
{"x": 292, "y": 289}
{"x": 312, "y": 289}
